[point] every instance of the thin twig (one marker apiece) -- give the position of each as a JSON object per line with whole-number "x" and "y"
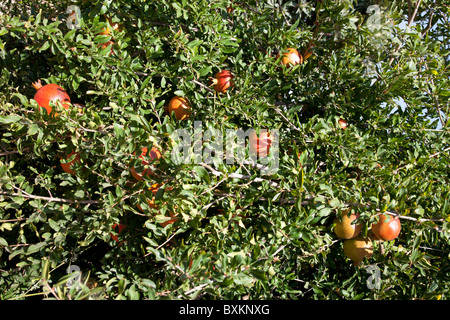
{"x": 411, "y": 18}
{"x": 429, "y": 22}
{"x": 13, "y": 151}
{"x": 235, "y": 175}
{"x": 12, "y": 220}
{"x": 438, "y": 153}
{"x": 202, "y": 85}
{"x": 51, "y": 290}
{"x": 286, "y": 119}
{"x": 164, "y": 243}
{"x": 197, "y": 288}
{"x": 50, "y": 199}
{"x": 212, "y": 203}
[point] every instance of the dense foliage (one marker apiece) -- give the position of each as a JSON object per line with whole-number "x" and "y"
{"x": 239, "y": 233}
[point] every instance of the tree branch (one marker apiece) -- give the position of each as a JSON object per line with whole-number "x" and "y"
{"x": 234, "y": 175}
{"x": 286, "y": 119}
{"x": 6, "y": 153}
{"x": 411, "y": 18}
{"x": 202, "y": 85}
{"x": 429, "y": 22}
{"x": 438, "y": 153}
{"x": 26, "y": 195}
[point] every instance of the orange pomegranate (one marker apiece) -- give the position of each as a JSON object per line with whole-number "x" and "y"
{"x": 358, "y": 248}
{"x": 290, "y": 57}
{"x": 116, "y": 26}
{"x": 345, "y": 228}
{"x": 154, "y": 154}
{"x": 180, "y": 106}
{"x": 342, "y": 123}
{"x": 173, "y": 219}
{"x": 151, "y": 203}
{"x": 67, "y": 166}
{"x": 50, "y": 93}
{"x": 120, "y": 227}
{"x": 105, "y": 45}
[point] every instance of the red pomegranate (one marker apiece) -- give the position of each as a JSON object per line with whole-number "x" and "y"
{"x": 260, "y": 146}
{"x": 67, "y": 166}
{"x": 120, "y": 227}
{"x": 342, "y": 123}
{"x": 388, "y": 227}
{"x": 50, "y": 93}
{"x": 222, "y": 81}
{"x": 105, "y": 45}
{"x": 153, "y": 155}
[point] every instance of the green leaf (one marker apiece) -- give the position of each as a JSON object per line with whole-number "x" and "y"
{"x": 34, "y": 128}
{"x": 45, "y": 46}
{"x": 205, "y": 71}
{"x": 324, "y": 212}
{"x": 194, "y": 43}
{"x": 259, "y": 274}
{"x": 335, "y": 203}
{"x": 9, "y": 119}
{"x": 231, "y": 43}
{"x": 118, "y": 130}
{"x": 3, "y": 242}
{"x": 148, "y": 283}
{"x": 53, "y": 224}
{"x": 243, "y": 279}
{"x": 202, "y": 174}
{"x": 132, "y": 293}
{"x": 36, "y": 247}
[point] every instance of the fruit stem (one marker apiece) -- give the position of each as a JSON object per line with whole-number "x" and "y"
{"x": 37, "y": 85}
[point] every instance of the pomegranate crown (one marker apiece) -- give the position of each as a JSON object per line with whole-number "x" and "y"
{"x": 37, "y": 85}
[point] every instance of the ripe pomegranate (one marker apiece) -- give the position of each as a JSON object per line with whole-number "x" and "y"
{"x": 358, "y": 248}
{"x": 116, "y": 26}
{"x": 67, "y": 166}
{"x": 290, "y": 57}
{"x": 388, "y": 227}
{"x": 154, "y": 154}
{"x": 105, "y": 45}
{"x": 180, "y": 106}
{"x": 222, "y": 81}
{"x": 50, "y": 93}
{"x": 260, "y": 146}
{"x": 342, "y": 123}
{"x": 120, "y": 227}
{"x": 345, "y": 228}
{"x": 151, "y": 203}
